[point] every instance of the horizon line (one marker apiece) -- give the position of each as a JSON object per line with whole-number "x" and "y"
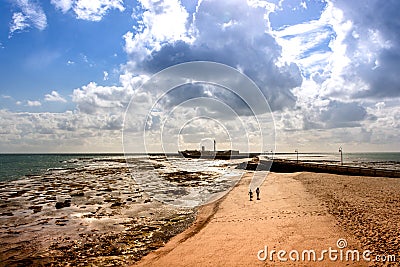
{"x": 149, "y": 153}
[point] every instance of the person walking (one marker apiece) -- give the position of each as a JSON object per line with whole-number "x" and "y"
{"x": 251, "y": 195}
{"x": 258, "y": 193}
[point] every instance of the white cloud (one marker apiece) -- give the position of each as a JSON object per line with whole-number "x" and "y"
{"x": 93, "y": 98}
{"x": 19, "y": 23}
{"x": 92, "y": 10}
{"x": 54, "y": 96}
{"x": 361, "y": 65}
{"x": 63, "y": 5}
{"x": 161, "y": 22}
{"x": 59, "y": 132}
{"x": 316, "y": 45}
{"x": 105, "y": 75}
{"x": 324, "y": 100}
{"x": 33, "y": 103}
{"x": 362, "y": 55}
{"x": 31, "y": 14}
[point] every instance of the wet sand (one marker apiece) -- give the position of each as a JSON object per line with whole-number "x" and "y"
{"x": 94, "y": 215}
{"x": 298, "y": 211}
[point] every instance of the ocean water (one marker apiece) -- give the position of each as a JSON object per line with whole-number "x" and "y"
{"x": 382, "y": 160}
{"x": 347, "y": 157}
{"x": 373, "y": 157}
{"x": 18, "y": 166}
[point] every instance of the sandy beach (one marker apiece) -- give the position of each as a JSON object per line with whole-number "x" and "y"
{"x": 298, "y": 211}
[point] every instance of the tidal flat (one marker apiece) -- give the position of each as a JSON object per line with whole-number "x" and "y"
{"x": 94, "y": 214}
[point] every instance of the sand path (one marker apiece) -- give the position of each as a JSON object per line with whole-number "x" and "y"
{"x": 233, "y": 230}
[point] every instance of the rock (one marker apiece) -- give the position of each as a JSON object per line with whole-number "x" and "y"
{"x": 66, "y": 203}
{"x": 61, "y": 222}
{"x": 35, "y": 208}
{"x": 78, "y": 194}
{"x": 116, "y": 204}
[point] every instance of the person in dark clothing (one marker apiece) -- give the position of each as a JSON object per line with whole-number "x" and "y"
{"x": 258, "y": 193}
{"x": 251, "y": 195}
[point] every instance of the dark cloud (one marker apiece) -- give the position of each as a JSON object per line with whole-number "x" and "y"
{"x": 338, "y": 115}
{"x": 214, "y": 99}
{"x": 384, "y": 80}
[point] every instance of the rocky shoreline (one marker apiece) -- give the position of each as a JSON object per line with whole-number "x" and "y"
{"x": 91, "y": 215}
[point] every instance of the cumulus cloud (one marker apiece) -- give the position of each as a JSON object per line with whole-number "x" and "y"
{"x": 31, "y": 14}
{"x": 33, "y": 103}
{"x": 233, "y": 33}
{"x": 93, "y": 98}
{"x": 63, "y": 5}
{"x": 347, "y": 54}
{"x": 355, "y": 52}
{"x": 373, "y": 45}
{"x": 69, "y": 131}
{"x": 158, "y": 23}
{"x": 54, "y": 96}
{"x": 92, "y": 10}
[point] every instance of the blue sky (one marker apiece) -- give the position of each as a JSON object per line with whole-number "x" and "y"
{"x": 67, "y": 53}
{"x": 69, "y": 68}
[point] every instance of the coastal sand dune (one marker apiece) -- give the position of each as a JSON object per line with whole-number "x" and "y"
{"x": 232, "y": 231}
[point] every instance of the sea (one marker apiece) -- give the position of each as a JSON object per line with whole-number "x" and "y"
{"x": 20, "y": 166}
{"x": 379, "y": 160}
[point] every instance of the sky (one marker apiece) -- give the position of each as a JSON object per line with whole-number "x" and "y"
{"x": 84, "y": 75}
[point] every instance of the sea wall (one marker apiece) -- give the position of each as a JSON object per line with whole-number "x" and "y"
{"x": 298, "y": 166}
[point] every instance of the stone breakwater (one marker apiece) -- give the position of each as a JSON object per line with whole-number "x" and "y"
{"x": 280, "y": 165}
{"x": 91, "y": 215}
